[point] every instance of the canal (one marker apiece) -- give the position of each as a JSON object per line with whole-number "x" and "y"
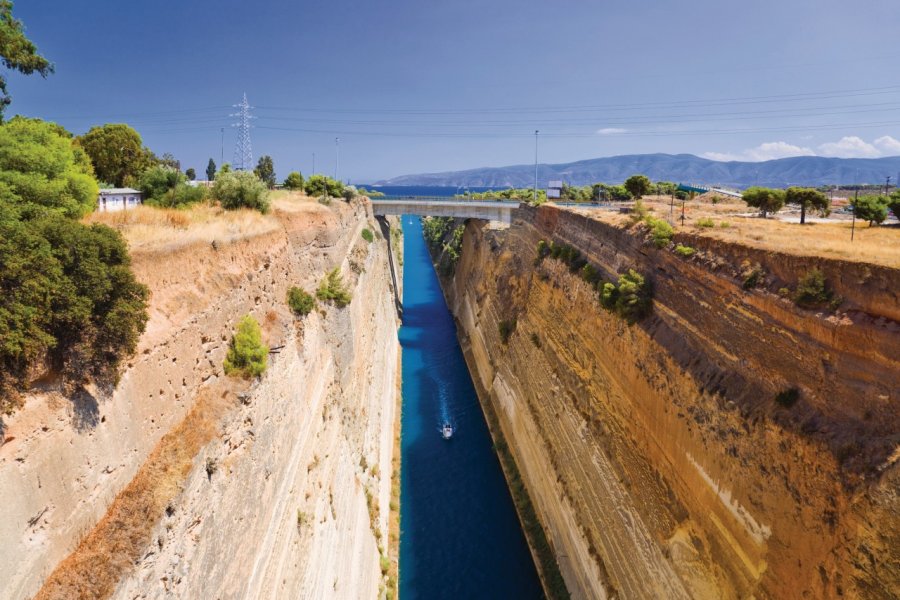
{"x": 460, "y": 536}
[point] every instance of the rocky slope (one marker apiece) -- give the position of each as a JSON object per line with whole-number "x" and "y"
{"x": 656, "y": 454}
{"x": 283, "y": 500}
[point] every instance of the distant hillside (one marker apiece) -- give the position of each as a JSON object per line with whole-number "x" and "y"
{"x": 684, "y": 168}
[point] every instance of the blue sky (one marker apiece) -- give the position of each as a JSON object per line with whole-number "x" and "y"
{"x": 416, "y": 86}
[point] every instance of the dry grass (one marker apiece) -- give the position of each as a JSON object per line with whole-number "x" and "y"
{"x": 149, "y": 228}
{"x": 875, "y": 245}
{"x": 114, "y": 546}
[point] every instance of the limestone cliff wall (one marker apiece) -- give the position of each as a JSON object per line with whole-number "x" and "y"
{"x": 655, "y": 453}
{"x": 310, "y": 438}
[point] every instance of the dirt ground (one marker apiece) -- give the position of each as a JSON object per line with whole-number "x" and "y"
{"x": 732, "y": 221}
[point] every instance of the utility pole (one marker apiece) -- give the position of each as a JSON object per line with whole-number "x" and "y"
{"x": 314, "y": 163}
{"x": 337, "y": 157}
{"x": 534, "y": 197}
{"x": 853, "y": 224}
{"x": 222, "y": 157}
{"x": 887, "y": 184}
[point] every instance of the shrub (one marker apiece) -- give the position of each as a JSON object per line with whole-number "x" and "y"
{"x": 300, "y": 302}
{"x": 724, "y": 224}
{"x": 181, "y": 196}
{"x": 247, "y": 355}
{"x": 752, "y": 276}
{"x": 368, "y": 235}
{"x": 638, "y": 212}
{"x": 684, "y": 251}
{"x": 69, "y": 299}
{"x": 811, "y": 289}
{"x": 385, "y": 564}
{"x": 543, "y": 250}
{"x": 349, "y": 192}
{"x": 787, "y": 398}
{"x": 294, "y": 181}
{"x": 318, "y": 185}
{"x": 631, "y": 299}
{"x": 333, "y": 288}
{"x": 506, "y": 329}
{"x": 241, "y": 189}
{"x": 157, "y": 181}
{"x": 535, "y": 340}
{"x": 870, "y": 208}
{"x": 660, "y": 231}
{"x": 590, "y": 274}
{"x": 705, "y": 222}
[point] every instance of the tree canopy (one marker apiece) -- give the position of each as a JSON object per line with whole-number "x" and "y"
{"x": 316, "y": 185}
{"x": 211, "y": 170}
{"x": 294, "y": 181}
{"x": 191, "y": 174}
{"x": 265, "y": 170}
{"x": 765, "y": 199}
{"x": 870, "y": 208}
{"x": 807, "y": 198}
{"x": 117, "y": 153}
{"x": 17, "y": 52}
{"x": 40, "y": 164}
{"x": 638, "y": 185}
{"x": 241, "y": 189}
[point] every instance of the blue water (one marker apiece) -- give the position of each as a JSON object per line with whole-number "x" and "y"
{"x": 460, "y": 536}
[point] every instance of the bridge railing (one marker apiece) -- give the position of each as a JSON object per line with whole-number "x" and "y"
{"x": 395, "y": 198}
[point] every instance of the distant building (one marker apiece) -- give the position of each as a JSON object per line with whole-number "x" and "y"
{"x": 554, "y": 188}
{"x": 114, "y": 199}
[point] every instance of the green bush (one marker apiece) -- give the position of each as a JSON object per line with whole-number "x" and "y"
{"x": 870, "y": 208}
{"x": 724, "y": 224}
{"x": 294, "y": 181}
{"x": 69, "y": 299}
{"x": 158, "y": 181}
{"x": 811, "y": 289}
{"x": 247, "y": 355}
{"x": 368, "y": 235}
{"x": 241, "y": 189}
{"x": 40, "y": 164}
{"x": 506, "y": 329}
{"x": 590, "y": 274}
{"x": 543, "y": 250}
{"x": 300, "y": 302}
{"x": 333, "y": 288}
{"x": 705, "y": 222}
{"x": 631, "y": 299}
{"x": 385, "y": 564}
{"x": 660, "y": 231}
{"x": 317, "y": 185}
{"x": 684, "y": 251}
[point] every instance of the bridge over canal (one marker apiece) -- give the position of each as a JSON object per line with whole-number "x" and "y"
{"x": 489, "y": 210}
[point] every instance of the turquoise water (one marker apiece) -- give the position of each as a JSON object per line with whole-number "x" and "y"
{"x": 460, "y": 537}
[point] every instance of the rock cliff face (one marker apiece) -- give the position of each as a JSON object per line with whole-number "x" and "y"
{"x": 656, "y": 454}
{"x": 282, "y": 501}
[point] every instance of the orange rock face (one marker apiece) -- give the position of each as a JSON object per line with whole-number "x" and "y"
{"x": 656, "y": 454}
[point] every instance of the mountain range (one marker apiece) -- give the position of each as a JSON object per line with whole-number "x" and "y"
{"x": 681, "y": 168}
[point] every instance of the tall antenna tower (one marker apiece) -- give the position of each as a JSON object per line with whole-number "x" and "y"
{"x": 243, "y": 151}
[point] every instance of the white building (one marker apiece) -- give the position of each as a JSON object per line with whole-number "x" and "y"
{"x": 113, "y": 199}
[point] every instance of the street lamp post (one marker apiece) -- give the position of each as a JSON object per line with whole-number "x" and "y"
{"x": 534, "y": 196}
{"x": 337, "y": 157}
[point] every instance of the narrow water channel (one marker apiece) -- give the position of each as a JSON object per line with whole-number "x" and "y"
{"x": 460, "y": 537}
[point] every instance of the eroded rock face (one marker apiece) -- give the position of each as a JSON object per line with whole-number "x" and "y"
{"x": 284, "y": 509}
{"x": 656, "y": 455}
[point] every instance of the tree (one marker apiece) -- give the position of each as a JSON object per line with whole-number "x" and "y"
{"x": 168, "y": 159}
{"x": 211, "y": 170}
{"x": 765, "y": 199}
{"x": 265, "y": 170}
{"x": 117, "y": 153}
{"x": 191, "y": 174}
{"x": 247, "y": 355}
{"x": 17, "y": 52}
{"x": 40, "y": 164}
{"x": 294, "y": 181}
{"x": 870, "y": 208}
{"x": 807, "y": 198}
{"x": 316, "y": 185}
{"x": 894, "y": 203}
{"x": 300, "y": 301}
{"x": 156, "y": 181}
{"x": 637, "y": 185}
{"x": 241, "y": 189}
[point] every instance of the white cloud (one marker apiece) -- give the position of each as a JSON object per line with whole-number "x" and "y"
{"x": 766, "y": 151}
{"x": 849, "y": 146}
{"x": 611, "y": 131}
{"x": 888, "y": 145}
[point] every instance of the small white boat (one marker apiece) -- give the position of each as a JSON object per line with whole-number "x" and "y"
{"x": 447, "y": 431}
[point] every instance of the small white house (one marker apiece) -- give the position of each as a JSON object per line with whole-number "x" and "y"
{"x": 114, "y": 199}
